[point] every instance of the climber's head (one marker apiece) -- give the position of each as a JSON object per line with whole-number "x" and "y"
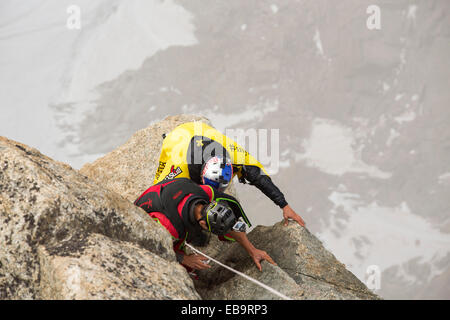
{"x": 217, "y": 172}
{"x": 217, "y": 217}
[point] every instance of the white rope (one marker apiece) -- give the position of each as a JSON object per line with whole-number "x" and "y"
{"x": 242, "y": 274}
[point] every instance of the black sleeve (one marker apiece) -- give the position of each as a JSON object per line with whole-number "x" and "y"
{"x": 255, "y": 176}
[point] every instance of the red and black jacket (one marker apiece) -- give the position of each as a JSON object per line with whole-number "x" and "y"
{"x": 169, "y": 204}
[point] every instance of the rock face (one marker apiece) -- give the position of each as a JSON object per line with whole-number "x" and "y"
{"x": 305, "y": 269}
{"x": 68, "y": 236}
{"x": 130, "y": 169}
{"x": 63, "y": 236}
{"x": 238, "y": 288}
{"x": 110, "y": 269}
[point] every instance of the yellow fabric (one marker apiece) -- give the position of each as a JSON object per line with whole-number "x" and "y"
{"x": 176, "y": 144}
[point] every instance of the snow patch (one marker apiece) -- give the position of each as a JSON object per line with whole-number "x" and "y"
{"x": 407, "y": 116}
{"x": 392, "y": 136}
{"x": 360, "y": 237}
{"x": 399, "y": 96}
{"x": 412, "y": 12}
{"x": 331, "y": 149}
{"x": 444, "y": 178}
{"x": 274, "y": 8}
{"x": 318, "y": 42}
{"x": 222, "y": 121}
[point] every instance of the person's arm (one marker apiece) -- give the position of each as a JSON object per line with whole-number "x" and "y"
{"x": 256, "y": 254}
{"x": 255, "y": 176}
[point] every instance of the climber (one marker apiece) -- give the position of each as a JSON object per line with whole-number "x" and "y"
{"x": 191, "y": 212}
{"x": 199, "y": 152}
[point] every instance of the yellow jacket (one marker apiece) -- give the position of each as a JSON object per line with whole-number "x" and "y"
{"x": 191, "y": 144}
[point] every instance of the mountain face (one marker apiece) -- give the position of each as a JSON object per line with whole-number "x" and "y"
{"x": 362, "y": 115}
{"x": 71, "y": 236}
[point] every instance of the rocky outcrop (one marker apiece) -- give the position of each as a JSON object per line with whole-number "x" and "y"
{"x": 130, "y": 169}
{"x": 67, "y": 235}
{"x": 110, "y": 269}
{"x": 238, "y": 288}
{"x": 63, "y": 236}
{"x": 305, "y": 269}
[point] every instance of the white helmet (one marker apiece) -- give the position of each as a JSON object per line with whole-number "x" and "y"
{"x": 217, "y": 173}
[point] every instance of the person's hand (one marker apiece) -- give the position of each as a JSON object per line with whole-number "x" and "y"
{"x": 259, "y": 255}
{"x": 195, "y": 261}
{"x": 288, "y": 213}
